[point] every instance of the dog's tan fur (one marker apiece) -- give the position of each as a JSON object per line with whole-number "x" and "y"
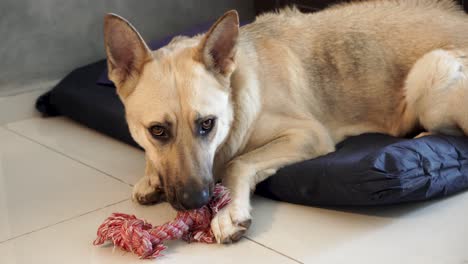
{"x": 286, "y": 88}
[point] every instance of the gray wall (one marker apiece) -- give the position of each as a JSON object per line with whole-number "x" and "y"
{"x": 42, "y": 40}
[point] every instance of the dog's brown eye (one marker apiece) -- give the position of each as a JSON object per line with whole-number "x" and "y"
{"x": 206, "y": 126}
{"x": 158, "y": 131}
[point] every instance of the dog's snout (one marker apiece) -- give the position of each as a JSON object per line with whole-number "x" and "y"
{"x": 193, "y": 196}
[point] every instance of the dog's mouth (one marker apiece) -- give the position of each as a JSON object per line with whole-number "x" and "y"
{"x": 177, "y": 206}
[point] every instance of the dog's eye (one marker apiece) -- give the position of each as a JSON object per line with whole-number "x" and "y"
{"x": 206, "y": 126}
{"x": 158, "y": 132}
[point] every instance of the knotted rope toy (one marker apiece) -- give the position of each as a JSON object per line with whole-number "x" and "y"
{"x": 136, "y": 235}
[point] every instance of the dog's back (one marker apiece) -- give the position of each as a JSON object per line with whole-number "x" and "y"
{"x": 347, "y": 65}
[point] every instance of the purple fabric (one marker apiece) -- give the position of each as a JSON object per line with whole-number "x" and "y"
{"x": 156, "y": 44}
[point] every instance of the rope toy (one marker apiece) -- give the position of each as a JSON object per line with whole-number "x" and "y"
{"x": 136, "y": 235}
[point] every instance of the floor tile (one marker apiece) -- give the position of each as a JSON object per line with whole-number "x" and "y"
{"x": 86, "y": 145}
{"x": 430, "y": 232}
{"x": 39, "y": 187}
{"x": 19, "y": 88}
{"x": 19, "y": 107}
{"x": 70, "y": 242}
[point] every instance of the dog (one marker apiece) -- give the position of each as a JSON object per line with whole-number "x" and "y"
{"x": 236, "y": 104}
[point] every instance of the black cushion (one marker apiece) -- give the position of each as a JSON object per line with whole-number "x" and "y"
{"x": 78, "y": 97}
{"x": 374, "y": 169}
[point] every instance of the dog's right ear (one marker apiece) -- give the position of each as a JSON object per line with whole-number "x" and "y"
{"x": 126, "y": 53}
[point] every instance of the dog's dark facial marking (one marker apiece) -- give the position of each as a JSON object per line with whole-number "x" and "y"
{"x": 204, "y": 126}
{"x": 185, "y": 173}
{"x": 161, "y": 131}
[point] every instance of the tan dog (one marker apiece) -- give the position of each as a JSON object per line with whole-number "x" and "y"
{"x": 237, "y": 104}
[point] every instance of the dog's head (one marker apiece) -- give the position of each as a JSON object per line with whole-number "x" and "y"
{"x": 177, "y": 101}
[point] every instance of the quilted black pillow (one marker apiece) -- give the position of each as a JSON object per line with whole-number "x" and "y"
{"x": 375, "y": 169}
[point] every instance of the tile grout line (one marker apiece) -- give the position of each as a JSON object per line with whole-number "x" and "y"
{"x": 66, "y": 155}
{"x": 89, "y": 212}
{"x": 62, "y": 221}
{"x": 272, "y": 249}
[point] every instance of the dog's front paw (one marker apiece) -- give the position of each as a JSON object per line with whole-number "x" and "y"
{"x": 145, "y": 192}
{"x": 231, "y": 223}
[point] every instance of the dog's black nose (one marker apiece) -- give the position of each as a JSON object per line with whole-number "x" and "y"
{"x": 193, "y": 198}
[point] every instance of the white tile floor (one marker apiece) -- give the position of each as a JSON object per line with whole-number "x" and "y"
{"x": 59, "y": 180}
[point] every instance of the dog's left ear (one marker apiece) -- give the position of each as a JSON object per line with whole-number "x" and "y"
{"x": 218, "y": 47}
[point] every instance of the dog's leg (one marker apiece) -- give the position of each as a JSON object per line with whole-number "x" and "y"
{"x": 437, "y": 90}
{"x": 148, "y": 189}
{"x": 245, "y": 171}
{"x": 460, "y": 109}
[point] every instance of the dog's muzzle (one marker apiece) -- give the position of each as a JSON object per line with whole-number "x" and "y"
{"x": 192, "y": 196}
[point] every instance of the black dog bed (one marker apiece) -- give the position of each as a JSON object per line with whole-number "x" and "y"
{"x": 369, "y": 169}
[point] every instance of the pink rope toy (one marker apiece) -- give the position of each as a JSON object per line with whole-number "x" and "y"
{"x": 135, "y": 235}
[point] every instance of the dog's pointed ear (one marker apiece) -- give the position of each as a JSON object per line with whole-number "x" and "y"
{"x": 126, "y": 53}
{"x": 218, "y": 47}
